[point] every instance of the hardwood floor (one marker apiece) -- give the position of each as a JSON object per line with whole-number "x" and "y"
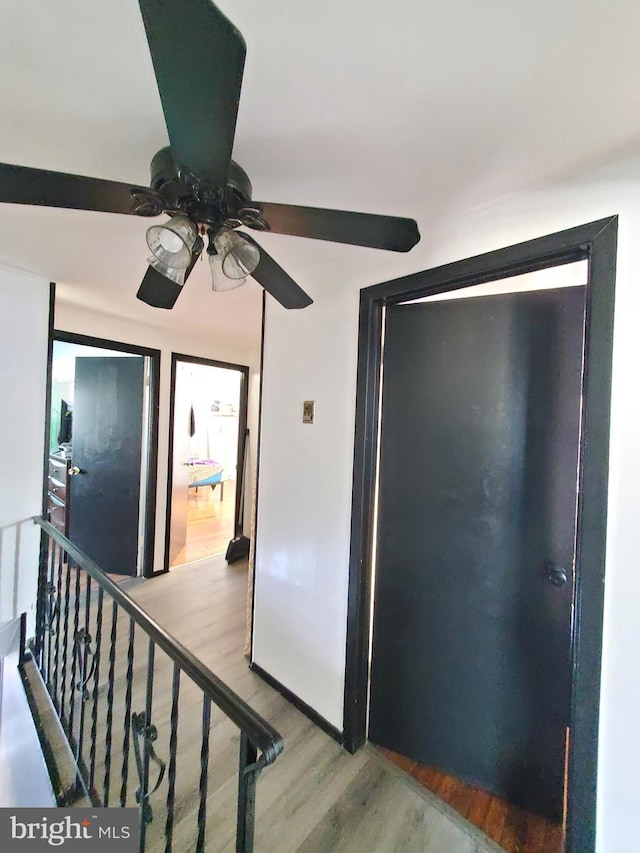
{"x": 514, "y": 829}
{"x": 210, "y": 522}
{"x": 316, "y": 798}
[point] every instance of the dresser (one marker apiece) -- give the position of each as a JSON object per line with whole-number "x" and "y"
{"x": 58, "y": 492}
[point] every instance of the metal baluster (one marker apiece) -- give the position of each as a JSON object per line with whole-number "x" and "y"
{"x": 76, "y": 623}
{"x": 46, "y": 604}
{"x": 145, "y": 812}
{"x": 23, "y": 640}
{"x": 173, "y": 752}
{"x": 96, "y": 677}
{"x": 204, "y": 773}
{"x": 107, "y": 740}
{"x": 56, "y": 665}
{"x": 65, "y": 645}
{"x": 148, "y": 735}
{"x": 41, "y": 601}
{"x": 50, "y": 607}
{"x": 85, "y": 675}
{"x": 127, "y": 716}
{"x": 247, "y": 777}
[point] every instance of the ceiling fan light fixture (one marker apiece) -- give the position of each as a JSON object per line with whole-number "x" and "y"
{"x": 172, "y": 242}
{"x": 219, "y": 281}
{"x": 172, "y": 273}
{"x": 239, "y": 257}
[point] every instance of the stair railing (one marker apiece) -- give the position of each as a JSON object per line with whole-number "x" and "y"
{"x": 114, "y": 700}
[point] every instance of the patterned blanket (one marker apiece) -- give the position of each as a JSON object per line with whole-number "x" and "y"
{"x": 202, "y": 469}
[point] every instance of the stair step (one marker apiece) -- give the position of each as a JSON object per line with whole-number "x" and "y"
{"x": 66, "y": 781}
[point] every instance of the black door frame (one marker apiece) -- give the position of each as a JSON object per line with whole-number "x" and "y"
{"x": 596, "y": 242}
{"x": 243, "y": 369}
{"x": 152, "y": 435}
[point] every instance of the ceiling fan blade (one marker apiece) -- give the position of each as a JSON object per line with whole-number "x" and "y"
{"x": 161, "y": 292}
{"x": 157, "y": 290}
{"x": 198, "y": 59}
{"x": 393, "y": 233}
{"x": 277, "y": 282}
{"x": 24, "y": 185}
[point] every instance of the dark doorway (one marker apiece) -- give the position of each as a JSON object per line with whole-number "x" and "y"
{"x": 595, "y": 243}
{"x": 110, "y": 451}
{"x": 470, "y": 667}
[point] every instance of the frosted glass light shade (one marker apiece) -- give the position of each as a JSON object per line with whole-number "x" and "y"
{"x": 172, "y": 242}
{"x": 219, "y": 281}
{"x": 172, "y": 273}
{"x": 239, "y": 257}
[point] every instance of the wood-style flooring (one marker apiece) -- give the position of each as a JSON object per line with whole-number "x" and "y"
{"x": 515, "y": 830}
{"x": 316, "y": 798}
{"x": 210, "y": 522}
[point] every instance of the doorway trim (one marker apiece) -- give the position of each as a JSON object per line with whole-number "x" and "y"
{"x": 243, "y": 369}
{"x": 152, "y": 435}
{"x": 596, "y": 242}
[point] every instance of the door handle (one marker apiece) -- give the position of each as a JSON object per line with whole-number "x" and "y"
{"x": 555, "y": 574}
{"x": 73, "y": 472}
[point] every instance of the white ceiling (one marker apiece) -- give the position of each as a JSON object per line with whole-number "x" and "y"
{"x": 408, "y": 107}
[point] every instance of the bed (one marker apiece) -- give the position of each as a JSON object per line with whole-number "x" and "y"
{"x": 205, "y": 472}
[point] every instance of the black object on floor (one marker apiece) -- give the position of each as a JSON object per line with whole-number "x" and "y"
{"x": 237, "y": 549}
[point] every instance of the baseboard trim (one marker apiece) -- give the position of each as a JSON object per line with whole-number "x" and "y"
{"x": 297, "y": 702}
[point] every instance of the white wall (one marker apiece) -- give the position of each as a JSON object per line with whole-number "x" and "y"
{"x": 70, "y": 318}
{"x": 216, "y": 433}
{"x": 306, "y": 471}
{"x": 24, "y": 319}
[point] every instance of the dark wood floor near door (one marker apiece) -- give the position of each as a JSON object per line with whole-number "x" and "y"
{"x": 515, "y": 830}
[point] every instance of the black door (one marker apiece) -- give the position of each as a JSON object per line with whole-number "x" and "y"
{"x": 107, "y": 447}
{"x": 477, "y": 518}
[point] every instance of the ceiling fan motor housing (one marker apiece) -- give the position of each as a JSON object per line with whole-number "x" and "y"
{"x": 183, "y": 192}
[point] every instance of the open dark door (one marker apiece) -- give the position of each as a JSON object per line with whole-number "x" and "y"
{"x": 476, "y": 537}
{"x": 107, "y": 449}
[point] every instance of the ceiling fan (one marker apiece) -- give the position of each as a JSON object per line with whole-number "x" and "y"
{"x": 198, "y": 59}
